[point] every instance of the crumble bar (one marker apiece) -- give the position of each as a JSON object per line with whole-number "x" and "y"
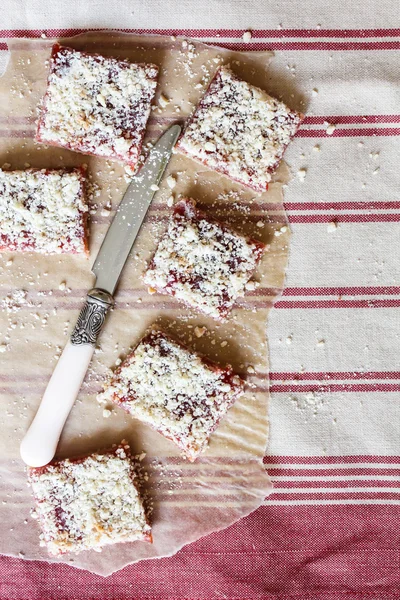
{"x": 87, "y": 503}
{"x": 239, "y": 130}
{"x": 43, "y": 211}
{"x": 97, "y": 105}
{"x": 203, "y": 262}
{"x": 178, "y": 393}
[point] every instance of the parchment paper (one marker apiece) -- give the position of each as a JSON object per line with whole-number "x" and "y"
{"x": 229, "y": 481}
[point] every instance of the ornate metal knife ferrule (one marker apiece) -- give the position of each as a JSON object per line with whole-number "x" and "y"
{"x": 92, "y": 317}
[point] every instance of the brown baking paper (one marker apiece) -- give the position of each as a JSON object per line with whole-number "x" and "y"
{"x": 228, "y": 482}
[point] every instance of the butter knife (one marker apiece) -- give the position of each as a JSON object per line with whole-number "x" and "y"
{"x": 40, "y": 442}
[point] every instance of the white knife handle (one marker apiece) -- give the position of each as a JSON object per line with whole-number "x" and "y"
{"x": 40, "y": 442}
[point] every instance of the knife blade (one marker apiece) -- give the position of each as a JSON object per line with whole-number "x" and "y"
{"x": 40, "y": 442}
{"x": 129, "y": 217}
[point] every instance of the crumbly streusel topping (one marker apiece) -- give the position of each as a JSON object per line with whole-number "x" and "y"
{"x": 173, "y": 390}
{"x": 88, "y": 503}
{"x": 239, "y": 130}
{"x": 97, "y": 105}
{"x": 202, "y": 262}
{"x": 42, "y": 211}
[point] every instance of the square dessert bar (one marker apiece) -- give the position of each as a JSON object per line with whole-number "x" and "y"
{"x": 239, "y": 131}
{"x": 97, "y": 105}
{"x": 87, "y": 503}
{"x": 174, "y": 390}
{"x": 203, "y": 262}
{"x": 43, "y": 211}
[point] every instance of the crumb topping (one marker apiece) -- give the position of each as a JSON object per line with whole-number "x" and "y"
{"x": 239, "y": 130}
{"x": 202, "y": 262}
{"x": 88, "y": 503}
{"x": 42, "y": 211}
{"x": 97, "y": 105}
{"x": 173, "y": 390}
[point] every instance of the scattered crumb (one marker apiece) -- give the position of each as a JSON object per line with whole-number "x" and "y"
{"x": 199, "y": 331}
{"x": 154, "y": 187}
{"x": 170, "y": 201}
{"x": 280, "y": 231}
{"x": 301, "y": 174}
{"x": 9, "y": 262}
{"x": 223, "y": 344}
{"x": 3, "y": 347}
{"x": 118, "y": 362}
{"x": 106, "y": 413}
{"x": 289, "y": 340}
{"x": 246, "y": 37}
{"x": 163, "y": 101}
{"x": 250, "y": 286}
{"x": 151, "y": 290}
{"x": 332, "y": 226}
{"x": 171, "y": 182}
{"x": 315, "y": 92}
{"x": 105, "y": 211}
{"x": 251, "y": 369}
{"x": 321, "y": 343}
{"x": 317, "y": 148}
{"x": 260, "y": 223}
{"x": 330, "y": 129}
{"x": 62, "y": 286}
{"x": 14, "y": 301}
